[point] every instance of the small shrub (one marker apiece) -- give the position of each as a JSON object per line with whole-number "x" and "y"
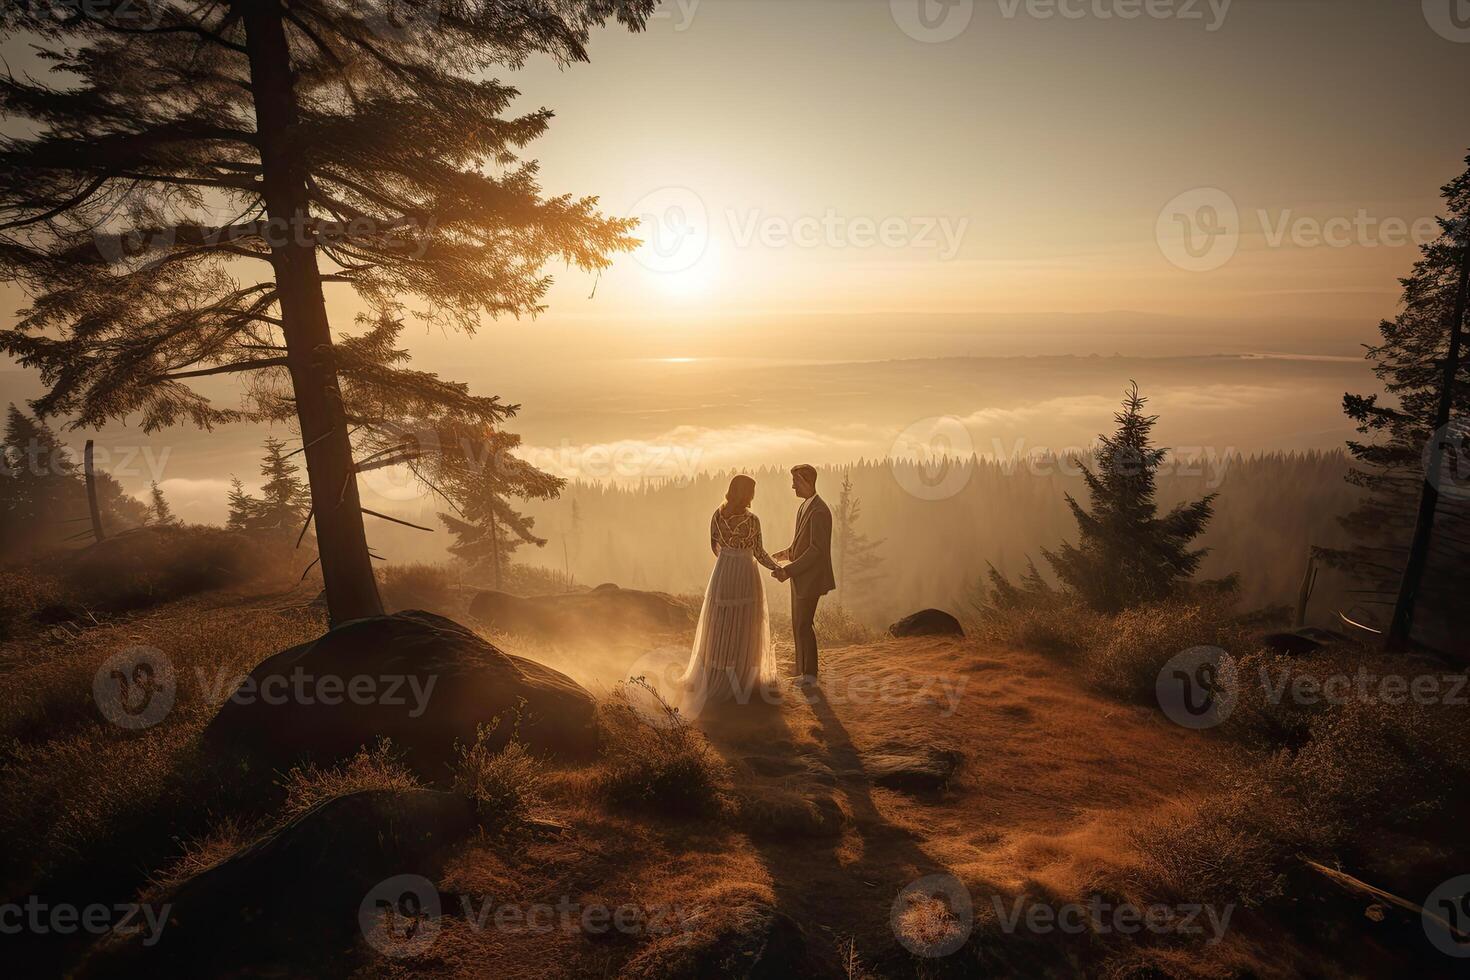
{"x": 1227, "y": 850}
{"x": 377, "y": 767}
{"x": 1134, "y": 645}
{"x": 653, "y": 758}
{"x": 836, "y": 626}
{"x": 1066, "y": 630}
{"x": 505, "y": 783}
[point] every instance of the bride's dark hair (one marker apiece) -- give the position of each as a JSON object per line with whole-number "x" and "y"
{"x": 740, "y": 494}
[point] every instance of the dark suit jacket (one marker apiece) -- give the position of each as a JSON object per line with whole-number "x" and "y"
{"x": 811, "y": 552}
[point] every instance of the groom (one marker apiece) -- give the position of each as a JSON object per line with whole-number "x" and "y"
{"x": 809, "y": 567}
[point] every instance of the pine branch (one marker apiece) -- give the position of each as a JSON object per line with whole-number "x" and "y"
{"x": 396, "y": 520}
{"x": 266, "y": 362}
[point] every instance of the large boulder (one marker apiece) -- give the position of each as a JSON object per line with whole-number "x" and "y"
{"x": 927, "y": 622}
{"x": 416, "y": 678}
{"x": 605, "y": 612}
{"x": 296, "y": 898}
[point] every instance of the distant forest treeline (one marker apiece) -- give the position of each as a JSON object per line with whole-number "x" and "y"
{"x": 1269, "y": 510}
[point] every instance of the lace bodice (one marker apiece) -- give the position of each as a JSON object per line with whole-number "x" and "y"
{"x": 739, "y": 531}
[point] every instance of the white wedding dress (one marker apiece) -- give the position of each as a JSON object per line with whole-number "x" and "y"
{"x": 732, "y": 655}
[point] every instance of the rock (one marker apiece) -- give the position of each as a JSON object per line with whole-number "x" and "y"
{"x": 927, "y": 622}
{"x": 421, "y": 680}
{"x": 605, "y": 612}
{"x": 750, "y": 940}
{"x": 58, "y": 613}
{"x": 296, "y": 895}
{"x": 917, "y": 770}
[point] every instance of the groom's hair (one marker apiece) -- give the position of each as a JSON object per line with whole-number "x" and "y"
{"x": 807, "y": 472}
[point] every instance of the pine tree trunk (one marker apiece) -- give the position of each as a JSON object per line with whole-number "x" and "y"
{"x": 1403, "y": 611}
{"x": 495, "y": 547}
{"x": 347, "y": 570}
{"x": 93, "y": 508}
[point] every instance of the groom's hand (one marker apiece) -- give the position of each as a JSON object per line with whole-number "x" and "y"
{"x": 780, "y": 574}
{"x": 782, "y": 555}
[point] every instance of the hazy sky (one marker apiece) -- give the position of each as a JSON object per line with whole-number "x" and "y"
{"x": 1020, "y": 166}
{"x": 849, "y": 180}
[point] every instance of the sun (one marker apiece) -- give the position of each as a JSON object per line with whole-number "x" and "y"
{"x": 690, "y": 281}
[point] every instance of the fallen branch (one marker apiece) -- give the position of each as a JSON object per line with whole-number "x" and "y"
{"x": 1346, "y": 881}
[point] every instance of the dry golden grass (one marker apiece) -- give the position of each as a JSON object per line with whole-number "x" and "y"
{"x": 221, "y": 840}
{"x": 373, "y": 767}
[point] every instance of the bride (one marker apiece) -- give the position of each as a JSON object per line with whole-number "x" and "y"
{"x": 732, "y": 652}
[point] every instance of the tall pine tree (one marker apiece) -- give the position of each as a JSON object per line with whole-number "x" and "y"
{"x": 1410, "y": 362}
{"x": 854, "y": 555}
{"x": 284, "y": 499}
{"x": 1126, "y": 554}
{"x": 487, "y": 530}
{"x": 189, "y": 178}
{"x": 241, "y": 506}
{"x": 160, "y": 514}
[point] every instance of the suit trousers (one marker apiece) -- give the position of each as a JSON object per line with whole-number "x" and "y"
{"x": 803, "y": 616}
